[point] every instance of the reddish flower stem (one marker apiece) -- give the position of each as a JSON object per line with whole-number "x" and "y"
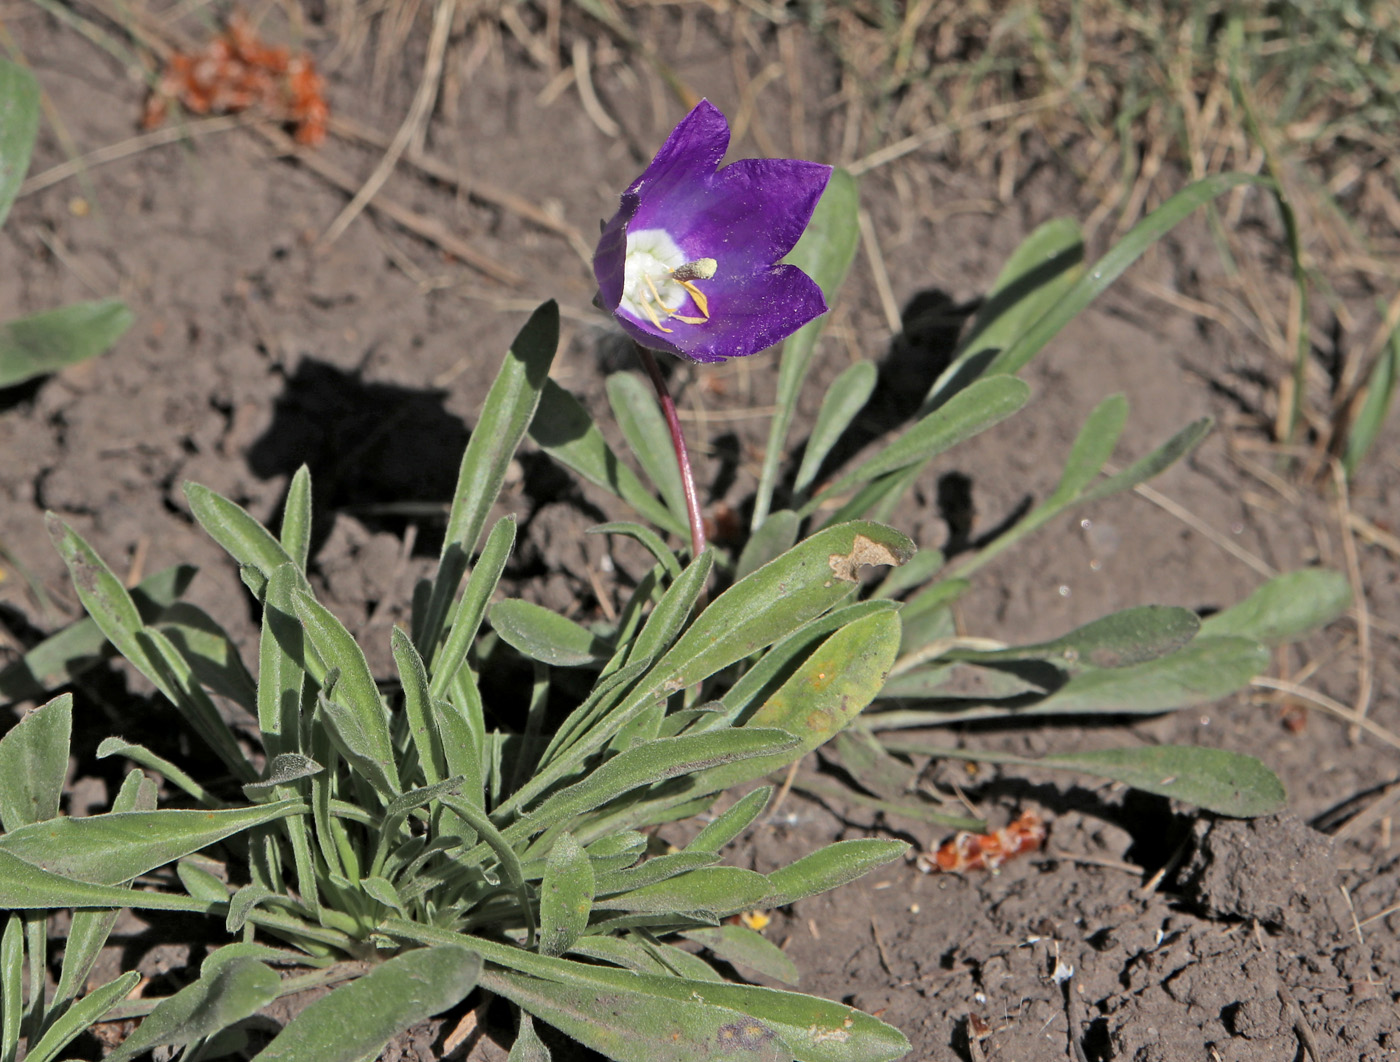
{"x": 673, "y": 421}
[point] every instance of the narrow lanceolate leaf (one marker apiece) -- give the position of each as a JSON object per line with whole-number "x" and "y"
{"x": 50, "y": 340}
{"x": 646, "y": 764}
{"x": 1120, "y": 639}
{"x": 282, "y": 664}
{"x": 824, "y": 253}
{"x": 296, "y": 518}
{"x": 708, "y": 892}
{"x": 11, "y": 986}
{"x": 81, "y": 1015}
{"x": 742, "y": 946}
{"x": 1226, "y": 783}
{"x": 355, "y": 1021}
{"x": 230, "y": 992}
{"x": 732, "y": 822}
{"x": 418, "y": 707}
{"x": 822, "y": 696}
{"x": 231, "y": 526}
{"x": 364, "y": 723}
{"x": 673, "y": 610}
{"x": 541, "y": 634}
{"x": 829, "y": 867}
{"x": 972, "y": 410}
{"x": 102, "y": 594}
{"x": 638, "y": 415}
{"x": 1111, "y": 266}
{"x": 33, "y": 764}
{"x": 23, "y": 886}
{"x": 19, "y": 126}
{"x": 481, "y": 584}
{"x": 509, "y": 408}
{"x": 814, "y": 1030}
{"x": 1038, "y": 274}
{"x": 566, "y": 896}
{"x": 1092, "y": 447}
{"x": 1158, "y": 461}
{"x": 1285, "y": 608}
{"x": 61, "y": 657}
{"x": 774, "y": 537}
{"x": 563, "y": 429}
{"x": 630, "y": 1027}
{"x": 210, "y": 653}
{"x": 778, "y": 598}
{"x": 1206, "y": 670}
{"x": 845, "y": 398}
{"x": 112, "y": 848}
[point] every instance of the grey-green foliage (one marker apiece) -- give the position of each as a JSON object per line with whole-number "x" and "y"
{"x": 494, "y": 843}
{"x": 50, "y": 340}
{"x": 1140, "y": 660}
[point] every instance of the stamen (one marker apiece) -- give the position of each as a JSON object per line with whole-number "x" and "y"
{"x": 702, "y": 303}
{"x": 700, "y": 269}
{"x": 660, "y": 300}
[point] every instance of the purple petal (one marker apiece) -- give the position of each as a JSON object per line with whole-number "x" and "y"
{"x": 749, "y": 314}
{"x": 689, "y": 156}
{"x": 746, "y": 217}
{"x": 610, "y": 258}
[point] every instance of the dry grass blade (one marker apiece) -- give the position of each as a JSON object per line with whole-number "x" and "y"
{"x": 417, "y": 116}
{"x": 132, "y": 146}
{"x": 420, "y": 225}
{"x": 1337, "y": 708}
{"x": 481, "y": 191}
{"x": 1365, "y": 672}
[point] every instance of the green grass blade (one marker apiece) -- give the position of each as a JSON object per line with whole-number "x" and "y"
{"x": 1380, "y": 394}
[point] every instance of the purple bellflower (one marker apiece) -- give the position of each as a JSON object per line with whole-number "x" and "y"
{"x": 689, "y": 264}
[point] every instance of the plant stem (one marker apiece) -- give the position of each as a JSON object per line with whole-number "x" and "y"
{"x": 673, "y": 421}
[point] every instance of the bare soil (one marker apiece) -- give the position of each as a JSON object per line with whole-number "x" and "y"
{"x": 257, "y": 349}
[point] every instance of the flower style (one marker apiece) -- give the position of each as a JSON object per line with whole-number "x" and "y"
{"x": 689, "y": 264}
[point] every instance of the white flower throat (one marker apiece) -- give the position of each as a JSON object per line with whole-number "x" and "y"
{"x": 657, "y": 278}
